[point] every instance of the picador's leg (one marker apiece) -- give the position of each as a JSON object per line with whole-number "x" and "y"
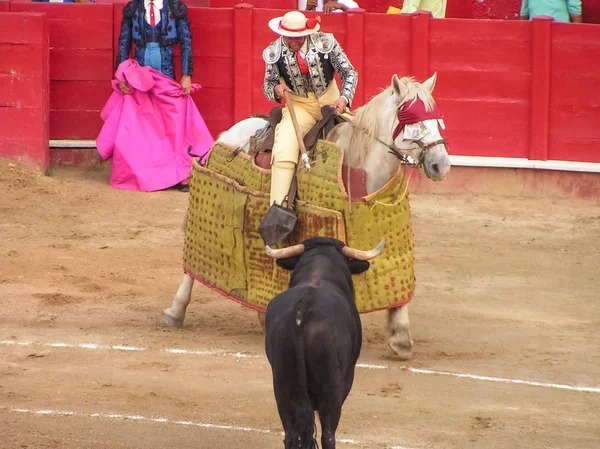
{"x": 399, "y": 332}
{"x": 285, "y": 155}
{"x": 174, "y": 315}
{"x": 282, "y": 173}
{"x": 286, "y": 149}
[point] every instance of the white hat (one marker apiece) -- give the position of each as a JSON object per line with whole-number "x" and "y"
{"x": 294, "y": 24}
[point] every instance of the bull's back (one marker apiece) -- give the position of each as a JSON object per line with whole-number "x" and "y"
{"x": 329, "y": 325}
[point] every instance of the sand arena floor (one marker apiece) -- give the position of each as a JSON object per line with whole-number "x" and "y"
{"x": 508, "y": 290}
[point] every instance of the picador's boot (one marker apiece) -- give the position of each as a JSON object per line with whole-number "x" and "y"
{"x": 279, "y": 221}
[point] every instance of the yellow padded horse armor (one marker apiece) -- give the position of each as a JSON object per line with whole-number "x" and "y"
{"x": 228, "y": 199}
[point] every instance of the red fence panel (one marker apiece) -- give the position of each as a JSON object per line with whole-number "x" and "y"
{"x": 81, "y": 60}
{"x": 574, "y": 97}
{"x": 507, "y": 88}
{"x": 265, "y": 4}
{"x": 24, "y": 88}
{"x": 261, "y": 37}
{"x": 484, "y": 75}
{"x": 541, "y": 42}
{"x": 591, "y": 11}
{"x": 212, "y": 43}
{"x": 387, "y": 50}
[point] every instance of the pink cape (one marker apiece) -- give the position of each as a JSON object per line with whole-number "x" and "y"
{"x": 148, "y": 133}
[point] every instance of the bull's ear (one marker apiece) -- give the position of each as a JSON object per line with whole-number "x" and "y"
{"x": 289, "y": 263}
{"x": 358, "y": 266}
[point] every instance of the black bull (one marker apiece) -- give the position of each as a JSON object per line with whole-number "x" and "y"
{"x": 314, "y": 337}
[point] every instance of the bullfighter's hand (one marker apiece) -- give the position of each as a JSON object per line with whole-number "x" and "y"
{"x": 339, "y": 105}
{"x": 311, "y": 5}
{"x": 124, "y": 88}
{"x": 186, "y": 84}
{"x": 280, "y": 89}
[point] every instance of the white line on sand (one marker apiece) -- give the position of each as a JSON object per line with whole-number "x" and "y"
{"x": 240, "y": 355}
{"x": 124, "y": 417}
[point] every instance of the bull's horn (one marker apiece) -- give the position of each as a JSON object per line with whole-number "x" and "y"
{"x": 283, "y": 253}
{"x": 352, "y": 253}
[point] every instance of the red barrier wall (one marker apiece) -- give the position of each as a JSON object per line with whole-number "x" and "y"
{"x": 591, "y": 11}
{"x": 507, "y": 88}
{"x": 574, "y": 103}
{"x": 495, "y": 79}
{"x": 212, "y": 40}
{"x": 455, "y": 9}
{"x": 81, "y": 60}
{"x": 24, "y": 88}
{"x": 460, "y": 9}
{"x": 267, "y": 4}
{"x": 484, "y": 79}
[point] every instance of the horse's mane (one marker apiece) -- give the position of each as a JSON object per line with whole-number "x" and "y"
{"x": 368, "y": 118}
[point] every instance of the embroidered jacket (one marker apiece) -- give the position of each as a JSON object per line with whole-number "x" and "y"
{"x": 324, "y": 57}
{"x": 174, "y": 27}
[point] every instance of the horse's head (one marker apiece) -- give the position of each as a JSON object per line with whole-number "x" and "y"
{"x": 416, "y": 122}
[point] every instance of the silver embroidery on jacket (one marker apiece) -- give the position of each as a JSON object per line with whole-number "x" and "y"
{"x": 318, "y": 44}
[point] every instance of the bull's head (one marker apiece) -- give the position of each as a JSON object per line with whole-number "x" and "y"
{"x": 287, "y": 258}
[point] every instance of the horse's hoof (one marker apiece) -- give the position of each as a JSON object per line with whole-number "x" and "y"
{"x": 172, "y": 322}
{"x": 399, "y": 346}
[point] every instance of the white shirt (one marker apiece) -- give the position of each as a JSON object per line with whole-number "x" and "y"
{"x": 348, "y": 3}
{"x": 304, "y": 49}
{"x": 157, "y": 5}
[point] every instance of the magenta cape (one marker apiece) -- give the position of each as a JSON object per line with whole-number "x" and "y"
{"x": 149, "y": 132}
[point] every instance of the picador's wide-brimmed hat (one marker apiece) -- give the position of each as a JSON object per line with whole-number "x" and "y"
{"x": 294, "y": 24}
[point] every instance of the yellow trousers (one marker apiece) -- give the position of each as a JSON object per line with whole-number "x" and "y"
{"x": 286, "y": 150}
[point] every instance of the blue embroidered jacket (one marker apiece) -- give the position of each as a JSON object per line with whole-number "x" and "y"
{"x": 174, "y": 27}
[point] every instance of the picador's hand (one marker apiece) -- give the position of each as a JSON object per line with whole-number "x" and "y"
{"x": 339, "y": 105}
{"x": 280, "y": 89}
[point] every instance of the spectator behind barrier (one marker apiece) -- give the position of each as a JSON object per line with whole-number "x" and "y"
{"x": 327, "y": 6}
{"x": 63, "y": 1}
{"x": 560, "y": 10}
{"x": 436, "y": 7}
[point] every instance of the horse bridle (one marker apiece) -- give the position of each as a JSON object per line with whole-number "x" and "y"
{"x": 424, "y": 149}
{"x": 395, "y": 151}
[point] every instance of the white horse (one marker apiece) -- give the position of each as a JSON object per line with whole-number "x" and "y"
{"x": 368, "y": 143}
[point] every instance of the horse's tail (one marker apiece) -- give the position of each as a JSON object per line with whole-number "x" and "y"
{"x": 305, "y": 418}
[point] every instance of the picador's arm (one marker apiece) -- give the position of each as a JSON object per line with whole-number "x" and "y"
{"x": 347, "y": 72}
{"x": 271, "y": 55}
{"x": 271, "y": 81}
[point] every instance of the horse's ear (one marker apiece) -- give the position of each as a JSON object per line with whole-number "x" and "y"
{"x": 399, "y": 88}
{"x": 430, "y": 83}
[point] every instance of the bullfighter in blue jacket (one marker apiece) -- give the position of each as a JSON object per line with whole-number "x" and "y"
{"x": 155, "y": 26}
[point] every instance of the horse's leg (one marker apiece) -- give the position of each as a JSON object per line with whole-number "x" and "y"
{"x": 261, "y": 320}
{"x": 174, "y": 315}
{"x": 399, "y": 332}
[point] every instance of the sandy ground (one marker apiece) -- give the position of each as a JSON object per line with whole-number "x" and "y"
{"x": 507, "y": 287}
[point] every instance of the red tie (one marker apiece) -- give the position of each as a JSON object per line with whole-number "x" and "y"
{"x": 152, "y": 23}
{"x": 301, "y": 63}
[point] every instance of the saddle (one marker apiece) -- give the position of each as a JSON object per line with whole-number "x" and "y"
{"x": 261, "y": 144}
